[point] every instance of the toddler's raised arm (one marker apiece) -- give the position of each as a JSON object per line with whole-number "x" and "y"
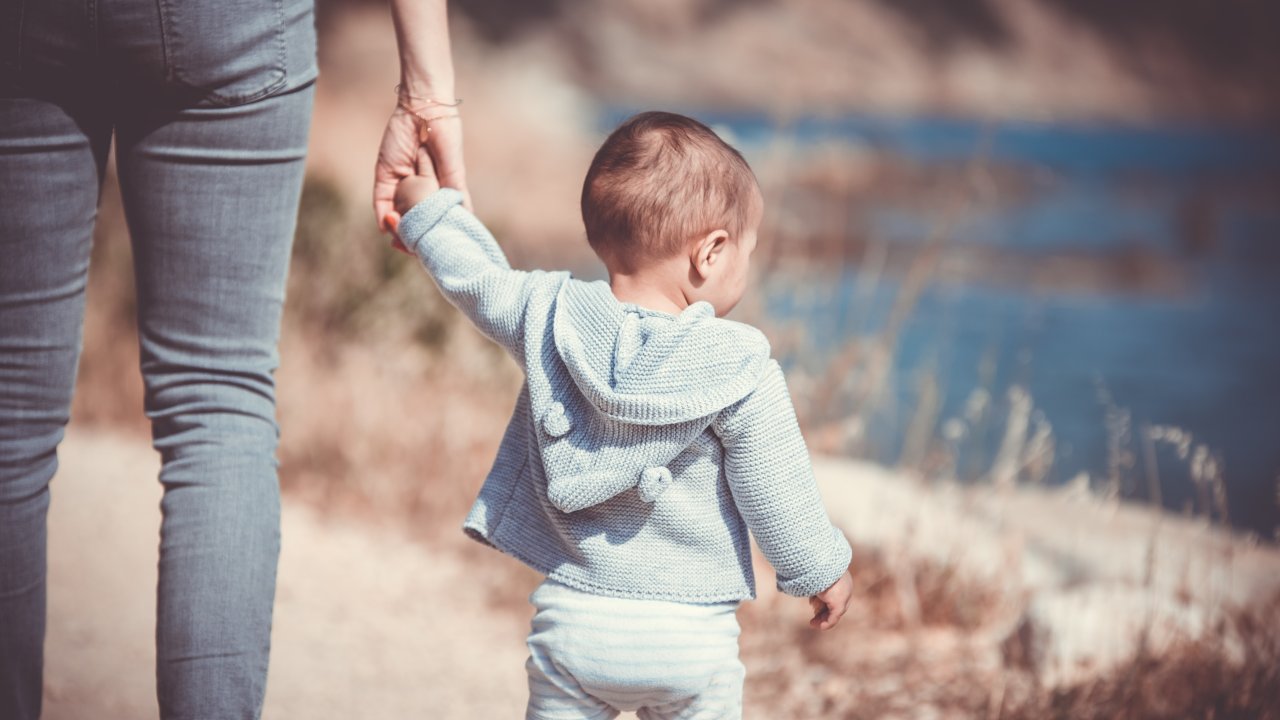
{"x": 470, "y": 269}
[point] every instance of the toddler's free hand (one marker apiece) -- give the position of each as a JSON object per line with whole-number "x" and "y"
{"x": 831, "y": 604}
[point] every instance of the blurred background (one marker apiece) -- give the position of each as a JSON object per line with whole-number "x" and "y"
{"x": 1020, "y": 261}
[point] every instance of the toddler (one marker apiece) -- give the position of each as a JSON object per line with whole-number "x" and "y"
{"x": 650, "y": 435}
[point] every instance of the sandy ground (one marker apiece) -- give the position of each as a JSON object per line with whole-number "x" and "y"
{"x": 368, "y": 624}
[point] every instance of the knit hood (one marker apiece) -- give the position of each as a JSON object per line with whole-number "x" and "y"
{"x": 645, "y": 384}
{"x": 646, "y": 367}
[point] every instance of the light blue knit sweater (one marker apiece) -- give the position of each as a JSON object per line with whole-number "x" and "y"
{"x": 643, "y": 445}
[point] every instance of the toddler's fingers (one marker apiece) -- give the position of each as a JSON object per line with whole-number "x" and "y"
{"x": 819, "y": 620}
{"x": 820, "y": 612}
{"x": 392, "y": 222}
{"x": 832, "y": 615}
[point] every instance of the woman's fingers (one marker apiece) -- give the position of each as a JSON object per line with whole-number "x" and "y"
{"x": 425, "y": 167}
{"x": 444, "y": 142}
{"x": 397, "y": 155}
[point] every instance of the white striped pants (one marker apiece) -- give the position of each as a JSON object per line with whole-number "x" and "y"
{"x": 592, "y": 657}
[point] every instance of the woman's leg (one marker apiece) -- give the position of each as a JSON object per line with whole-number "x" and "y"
{"x": 51, "y": 161}
{"x": 211, "y": 196}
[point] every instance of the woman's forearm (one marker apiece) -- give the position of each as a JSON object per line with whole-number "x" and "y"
{"x": 422, "y": 34}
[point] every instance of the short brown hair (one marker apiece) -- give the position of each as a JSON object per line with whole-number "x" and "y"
{"x": 658, "y": 181}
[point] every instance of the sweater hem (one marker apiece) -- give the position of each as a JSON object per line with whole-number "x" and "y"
{"x": 478, "y": 534}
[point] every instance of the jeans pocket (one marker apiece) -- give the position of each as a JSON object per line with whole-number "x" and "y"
{"x": 230, "y": 51}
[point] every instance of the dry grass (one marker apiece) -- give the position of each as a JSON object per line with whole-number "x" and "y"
{"x": 904, "y": 648}
{"x": 1208, "y": 678}
{"x": 946, "y": 666}
{"x": 389, "y": 401}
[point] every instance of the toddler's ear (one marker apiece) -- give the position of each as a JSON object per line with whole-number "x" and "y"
{"x": 708, "y": 252}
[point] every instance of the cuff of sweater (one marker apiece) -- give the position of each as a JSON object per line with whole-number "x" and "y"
{"x": 424, "y": 216}
{"x": 825, "y": 574}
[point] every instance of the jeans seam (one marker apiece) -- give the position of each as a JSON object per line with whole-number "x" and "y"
{"x": 162, "y": 13}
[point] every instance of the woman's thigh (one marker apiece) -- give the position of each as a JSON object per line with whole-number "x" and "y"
{"x": 211, "y": 197}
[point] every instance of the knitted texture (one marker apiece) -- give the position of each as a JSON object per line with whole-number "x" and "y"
{"x": 644, "y": 447}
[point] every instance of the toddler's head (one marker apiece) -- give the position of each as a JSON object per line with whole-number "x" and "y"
{"x": 669, "y": 203}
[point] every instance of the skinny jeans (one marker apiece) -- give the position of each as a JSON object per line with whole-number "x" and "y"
{"x": 209, "y": 107}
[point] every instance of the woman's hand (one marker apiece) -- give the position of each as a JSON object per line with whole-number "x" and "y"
{"x": 426, "y": 115}
{"x": 414, "y": 146}
{"x": 397, "y": 159}
{"x": 442, "y": 137}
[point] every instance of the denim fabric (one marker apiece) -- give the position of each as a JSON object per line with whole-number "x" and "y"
{"x": 209, "y": 105}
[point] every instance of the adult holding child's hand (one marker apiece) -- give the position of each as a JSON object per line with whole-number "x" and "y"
{"x": 426, "y": 113}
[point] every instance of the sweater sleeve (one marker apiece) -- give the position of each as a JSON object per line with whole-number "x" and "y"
{"x": 771, "y": 479}
{"x": 469, "y": 267}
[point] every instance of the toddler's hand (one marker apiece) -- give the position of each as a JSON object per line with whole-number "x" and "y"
{"x": 410, "y": 191}
{"x": 830, "y": 604}
{"x": 413, "y": 190}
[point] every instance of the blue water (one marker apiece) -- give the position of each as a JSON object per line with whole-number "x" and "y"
{"x": 1205, "y": 358}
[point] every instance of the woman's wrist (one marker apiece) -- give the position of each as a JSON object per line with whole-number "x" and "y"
{"x": 422, "y": 36}
{"x": 437, "y": 86}
{"x": 418, "y": 101}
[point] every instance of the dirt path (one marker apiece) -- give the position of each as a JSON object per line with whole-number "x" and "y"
{"x": 367, "y": 624}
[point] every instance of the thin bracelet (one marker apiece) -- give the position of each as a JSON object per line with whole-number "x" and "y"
{"x": 400, "y": 93}
{"x": 425, "y": 122}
